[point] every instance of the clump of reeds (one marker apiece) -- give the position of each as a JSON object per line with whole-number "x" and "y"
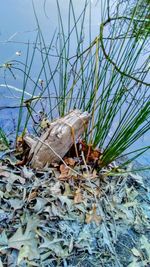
{"x": 108, "y": 77}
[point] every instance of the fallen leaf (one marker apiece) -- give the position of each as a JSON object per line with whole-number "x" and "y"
{"x": 90, "y": 153}
{"x": 21, "y": 162}
{"x": 138, "y": 263}
{"x": 55, "y": 189}
{"x": 67, "y": 191}
{"x": 27, "y": 237}
{"x": 95, "y": 154}
{"x": 55, "y": 246}
{"x": 2, "y": 168}
{"x": 145, "y": 244}
{"x": 1, "y": 264}
{"x": 67, "y": 201}
{"x": 92, "y": 216}
{"x": 40, "y": 204}
{"x": 70, "y": 161}
{"x": 30, "y": 251}
{"x": 26, "y": 241}
{"x": 16, "y": 203}
{"x": 71, "y": 245}
{"x": 11, "y": 177}
{"x": 136, "y": 252}
{"x": 55, "y": 210}
{"x": 107, "y": 241}
{"x": 78, "y": 198}
{"x": 64, "y": 172}
{"x": 136, "y": 177}
{"x": 32, "y": 195}
{"x": 3, "y": 241}
{"x": 28, "y": 174}
{"x": 94, "y": 174}
{"x": 12, "y": 258}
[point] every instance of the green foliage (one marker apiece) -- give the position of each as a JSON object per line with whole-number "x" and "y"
{"x": 143, "y": 12}
{"x": 4, "y": 143}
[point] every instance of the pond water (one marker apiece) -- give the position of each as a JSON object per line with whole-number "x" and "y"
{"x": 18, "y": 27}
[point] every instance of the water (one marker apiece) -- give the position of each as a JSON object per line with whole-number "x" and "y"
{"x": 18, "y": 27}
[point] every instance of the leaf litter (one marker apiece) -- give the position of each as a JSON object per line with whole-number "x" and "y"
{"x": 56, "y": 218}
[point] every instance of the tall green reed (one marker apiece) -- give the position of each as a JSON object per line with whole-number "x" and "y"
{"x": 107, "y": 76}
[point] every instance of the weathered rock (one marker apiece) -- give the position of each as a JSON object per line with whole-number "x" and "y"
{"x": 58, "y": 139}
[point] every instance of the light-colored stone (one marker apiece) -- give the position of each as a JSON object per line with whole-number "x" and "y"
{"x": 60, "y": 136}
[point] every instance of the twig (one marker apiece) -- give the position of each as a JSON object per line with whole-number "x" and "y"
{"x": 11, "y": 107}
{"x": 112, "y": 62}
{"x": 100, "y": 38}
{"x": 58, "y": 156}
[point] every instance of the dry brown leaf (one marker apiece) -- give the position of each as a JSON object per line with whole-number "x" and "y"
{"x": 78, "y": 198}
{"x": 70, "y": 161}
{"x": 64, "y": 172}
{"x": 32, "y": 195}
{"x": 90, "y": 153}
{"x": 21, "y": 162}
{"x": 90, "y": 175}
{"x": 92, "y": 216}
{"x": 95, "y": 154}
